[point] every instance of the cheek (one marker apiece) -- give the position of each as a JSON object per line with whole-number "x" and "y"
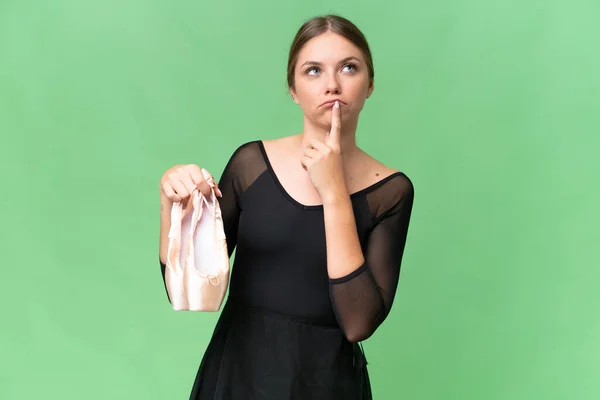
{"x": 308, "y": 96}
{"x": 358, "y": 92}
{"x": 360, "y": 89}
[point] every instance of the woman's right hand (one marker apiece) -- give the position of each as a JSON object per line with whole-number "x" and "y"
{"x": 179, "y": 181}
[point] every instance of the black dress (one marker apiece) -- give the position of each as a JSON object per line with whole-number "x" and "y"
{"x": 286, "y": 330}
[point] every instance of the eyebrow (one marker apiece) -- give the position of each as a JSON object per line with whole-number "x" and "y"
{"x": 341, "y": 62}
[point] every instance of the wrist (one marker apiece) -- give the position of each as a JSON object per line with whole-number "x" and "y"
{"x": 164, "y": 199}
{"x": 335, "y": 197}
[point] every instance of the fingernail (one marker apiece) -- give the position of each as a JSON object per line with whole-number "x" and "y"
{"x": 337, "y": 104}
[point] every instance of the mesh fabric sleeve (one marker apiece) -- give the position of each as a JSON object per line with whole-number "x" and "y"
{"x": 243, "y": 167}
{"x": 363, "y": 299}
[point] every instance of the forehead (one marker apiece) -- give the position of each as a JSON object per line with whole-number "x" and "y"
{"x": 328, "y": 47}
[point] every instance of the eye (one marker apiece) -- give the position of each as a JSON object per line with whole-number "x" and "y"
{"x": 352, "y": 66}
{"x": 308, "y": 70}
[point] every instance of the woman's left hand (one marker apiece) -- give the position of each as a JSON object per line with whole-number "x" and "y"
{"x": 323, "y": 161}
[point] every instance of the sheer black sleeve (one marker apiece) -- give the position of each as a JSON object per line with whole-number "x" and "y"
{"x": 363, "y": 299}
{"x": 229, "y": 203}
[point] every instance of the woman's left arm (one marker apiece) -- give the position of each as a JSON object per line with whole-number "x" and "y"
{"x": 363, "y": 285}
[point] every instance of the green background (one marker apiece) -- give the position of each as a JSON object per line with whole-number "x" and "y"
{"x": 491, "y": 107}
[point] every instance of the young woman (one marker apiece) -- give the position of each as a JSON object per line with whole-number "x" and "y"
{"x": 319, "y": 227}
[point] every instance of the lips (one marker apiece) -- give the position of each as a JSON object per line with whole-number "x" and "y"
{"x": 330, "y": 103}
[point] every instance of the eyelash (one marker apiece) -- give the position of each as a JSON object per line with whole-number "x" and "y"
{"x": 307, "y": 71}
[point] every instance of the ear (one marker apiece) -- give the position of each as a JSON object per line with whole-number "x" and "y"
{"x": 370, "y": 89}
{"x": 294, "y": 96}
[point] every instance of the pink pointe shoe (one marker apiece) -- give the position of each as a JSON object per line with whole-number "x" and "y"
{"x": 197, "y": 274}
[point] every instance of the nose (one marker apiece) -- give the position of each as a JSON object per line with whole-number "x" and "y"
{"x": 332, "y": 85}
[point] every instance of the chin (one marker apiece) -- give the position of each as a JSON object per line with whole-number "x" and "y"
{"x": 322, "y": 118}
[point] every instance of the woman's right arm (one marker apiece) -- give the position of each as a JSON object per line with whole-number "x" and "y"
{"x": 180, "y": 180}
{"x": 165, "y": 224}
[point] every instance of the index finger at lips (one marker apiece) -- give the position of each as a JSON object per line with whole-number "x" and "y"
{"x": 336, "y": 123}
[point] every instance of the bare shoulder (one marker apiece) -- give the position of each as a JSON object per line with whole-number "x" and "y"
{"x": 391, "y": 187}
{"x": 375, "y": 170}
{"x": 280, "y": 143}
{"x": 281, "y": 150}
